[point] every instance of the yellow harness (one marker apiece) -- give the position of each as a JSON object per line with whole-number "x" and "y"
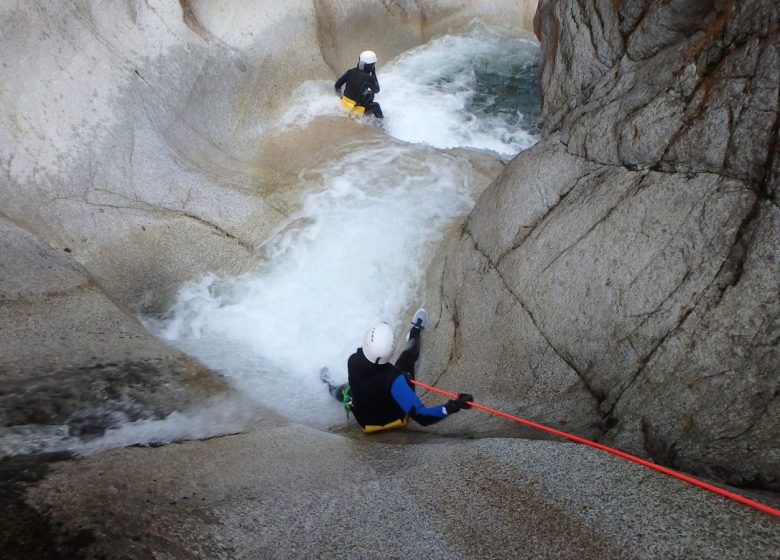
{"x": 400, "y": 423}
{"x": 356, "y": 111}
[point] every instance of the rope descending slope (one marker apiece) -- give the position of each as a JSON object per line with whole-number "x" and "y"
{"x": 659, "y": 468}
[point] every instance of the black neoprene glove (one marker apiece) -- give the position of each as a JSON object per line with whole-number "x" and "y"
{"x": 460, "y": 403}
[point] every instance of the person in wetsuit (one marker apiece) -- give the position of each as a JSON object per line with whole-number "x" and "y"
{"x": 382, "y": 397}
{"x": 361, "y": 85}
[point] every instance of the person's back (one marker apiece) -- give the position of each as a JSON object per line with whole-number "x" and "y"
{"x": 370, "y": 385}
{"x": 358, "y": 84}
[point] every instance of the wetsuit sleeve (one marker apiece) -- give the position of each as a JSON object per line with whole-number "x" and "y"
{"x": 340, "y": 82}
{"x": 374, "y": 82}
{"x": 411, "y": 404}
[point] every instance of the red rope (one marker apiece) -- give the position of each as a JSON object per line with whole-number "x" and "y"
{"x": 665, "y": 470}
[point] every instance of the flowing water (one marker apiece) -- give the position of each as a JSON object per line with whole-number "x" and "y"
{"x": 356, "y": 251}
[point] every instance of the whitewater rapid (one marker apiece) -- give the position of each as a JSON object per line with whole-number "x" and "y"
{"x": 353, "y": 255}
{"x": 356, "y": 250}
{"x": 471, "y": 90}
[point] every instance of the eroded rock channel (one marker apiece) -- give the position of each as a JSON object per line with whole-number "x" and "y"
{"x": 617, "y": 280}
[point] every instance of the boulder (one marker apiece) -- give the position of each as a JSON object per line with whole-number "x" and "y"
{"x": 621, "y": 277}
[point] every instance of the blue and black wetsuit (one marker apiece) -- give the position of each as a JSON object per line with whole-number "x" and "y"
{"x": 382, "y": 396}
{"x": 361, "y": 85}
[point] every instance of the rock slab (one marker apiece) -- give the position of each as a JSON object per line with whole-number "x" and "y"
{"x": 624, "y": 274}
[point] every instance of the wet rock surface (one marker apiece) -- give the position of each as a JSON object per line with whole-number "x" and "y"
{"x": 73, "y": 359}
{"x": 293, "y": 492}
{"x": 25, "y": 532}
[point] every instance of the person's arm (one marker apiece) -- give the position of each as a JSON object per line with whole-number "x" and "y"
{"x": 374, "y": 82}
{"x": 340, "y": 82}
{"x": 411, "y": 404}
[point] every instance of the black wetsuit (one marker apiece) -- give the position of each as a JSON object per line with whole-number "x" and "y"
{"x": 360, "y": 88}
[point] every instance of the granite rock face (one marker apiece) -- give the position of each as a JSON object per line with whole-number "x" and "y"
{"x": 131, "y": 160}
{"x": 624, "y": 274}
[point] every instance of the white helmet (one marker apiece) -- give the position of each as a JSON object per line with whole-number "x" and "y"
{"x": 379, "y": 343}
{"x": 366, "y": 57}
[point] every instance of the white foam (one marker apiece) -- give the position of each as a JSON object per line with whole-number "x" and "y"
{"x": 356, "y": 251}
{"x": 427, "y": 92}
{"x": 312, "y": 99}
{"x": 219, "y": 415}
{"x": 216, "y": 417}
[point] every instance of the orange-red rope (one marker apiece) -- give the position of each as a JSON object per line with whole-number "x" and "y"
{"x": 665, "y": 470}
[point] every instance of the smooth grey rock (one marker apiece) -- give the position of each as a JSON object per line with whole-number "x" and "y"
{"x": 484, "y": 340}
{"x": 637, "y": 242}
{"x": 293, "y": 492}
{"x": 707, "y": 400}
{"x": 347, "y": 27}
{"x": 607, "y": 274}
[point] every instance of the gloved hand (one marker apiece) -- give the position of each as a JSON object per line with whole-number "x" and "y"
{"x": 460, "y": 403}
{"x": 338, "y": 91}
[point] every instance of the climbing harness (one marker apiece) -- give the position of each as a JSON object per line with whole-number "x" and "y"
{"x": 659, "y": 468}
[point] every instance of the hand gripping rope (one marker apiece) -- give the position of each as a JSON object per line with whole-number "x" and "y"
{"x": 659, "y": 468}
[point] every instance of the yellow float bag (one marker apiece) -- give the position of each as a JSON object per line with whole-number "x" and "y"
{"x": 354, "y": 110}
{"x": 400, "y": 423}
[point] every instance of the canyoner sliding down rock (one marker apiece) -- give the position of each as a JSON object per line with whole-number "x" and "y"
{"x": 578, "y": 199}
{"x": 381, "y": 394}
